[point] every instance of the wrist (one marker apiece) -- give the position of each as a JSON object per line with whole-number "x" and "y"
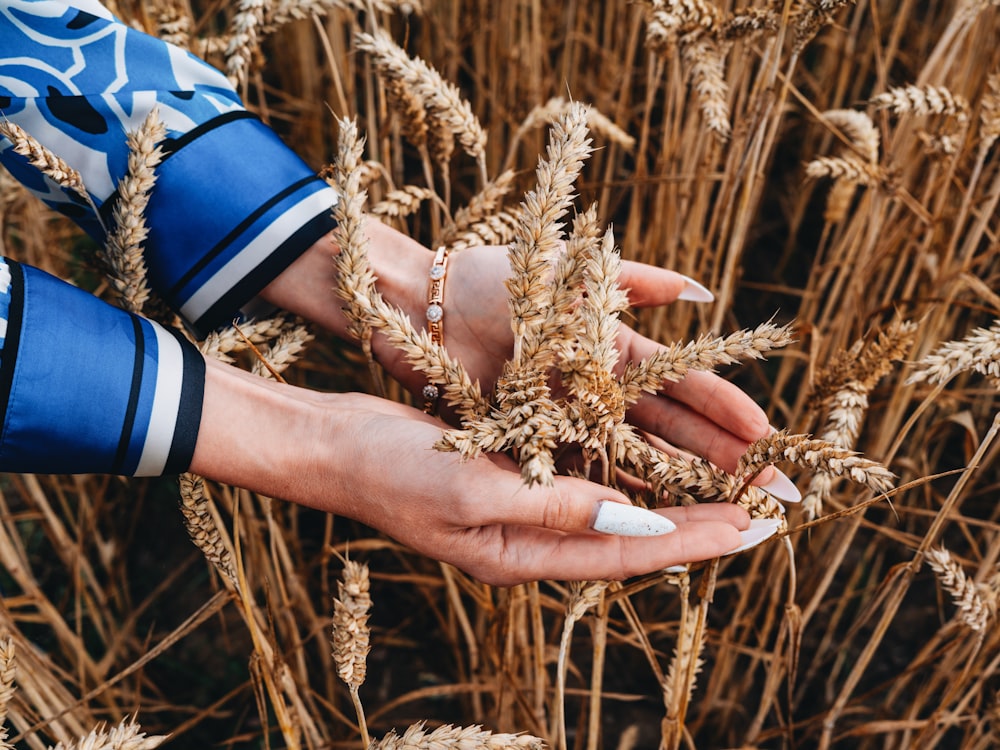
{"x": 399, "y": 263}
{"x": 264, "y": 436}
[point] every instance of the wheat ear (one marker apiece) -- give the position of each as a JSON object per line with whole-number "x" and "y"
{"x": 448, "y": 737}
{"x": 351, "y": 636}
{"x": 817, "y": 455}
{"x": 979, "y": 351}
{"x": 202, "y": 528}
{"x": 965, "y": 593}
{"x": 124, "y": 246}
{"x": 125, "y": 736}
{"x": 672, "y": 363}
{"x": 8, "y": 673}
{"x": 42, "y": 159}
{"x": 583, "y": 595}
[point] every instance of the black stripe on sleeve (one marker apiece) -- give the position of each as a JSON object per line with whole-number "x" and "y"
{"x": 172, "y": 146}
{"x": 189, "y": 411}
{"x": 235, "y": 232}
{"x": 268, "y": 270}
{"x": 8, "y": 355}
{"x": 128, "y": 424}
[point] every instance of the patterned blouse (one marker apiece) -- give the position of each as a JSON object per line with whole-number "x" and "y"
{"x": 84, "y": 386}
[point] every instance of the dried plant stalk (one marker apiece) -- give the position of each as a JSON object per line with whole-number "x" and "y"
{"x": 125, "y": 736}
{"x": 202, "y": 528}
{"x": 973, "y": 610}
{"x": 817, "y": 455}
{"x": 555, "y": 108}
{"x": 351, "y": 636}
{"x": 124, "y": 246}
{"x": 672, "y": 363}
{"x": 449, "y": 737}
{"x": 979, "y": 351}
{"x": 283, "y": 351}
{"x": 923, "y": 100}
{"x": 222, "y": 343}
{"x": 8, "y": 673}
{"x": 583, "y": 596}
{"x": 537, "y": 237}
{"x": 447, "y": 111}
{"x": 42, "y": 159}
{"x": 850, "y": 377}
{"x": 403, "y": 202}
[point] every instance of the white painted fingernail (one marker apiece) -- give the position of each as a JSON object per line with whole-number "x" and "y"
{"x": 783, "y": 488}
{"x": 695, "y": 292}
{"x": 760, "y": 529}
{"x": 629, "y": 520}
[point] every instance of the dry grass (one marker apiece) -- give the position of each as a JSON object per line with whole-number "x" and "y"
{"x": 824, "y": 164}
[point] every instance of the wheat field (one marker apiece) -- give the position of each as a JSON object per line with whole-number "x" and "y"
{"x": 830, "y": 170}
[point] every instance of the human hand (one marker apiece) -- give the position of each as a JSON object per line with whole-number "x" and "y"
{"x": 373, "y": 460}
{"x": 703, "y": 415}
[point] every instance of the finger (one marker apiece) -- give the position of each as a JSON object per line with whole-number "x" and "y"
{"x": 682, "y": 515}
{"x": 571, "y": 505}
{"x": 649, "y": 286}
{"x": 510, "y": 555}
{"x": 676, "y": 428}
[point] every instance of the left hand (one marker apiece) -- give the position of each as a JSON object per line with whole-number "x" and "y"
{"x": 703, "y": 414}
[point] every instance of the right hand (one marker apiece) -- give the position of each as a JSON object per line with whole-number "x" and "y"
{"x": 373, "y": 460}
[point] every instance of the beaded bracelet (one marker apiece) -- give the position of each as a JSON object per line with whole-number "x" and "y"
{"x": 435, "y": 318}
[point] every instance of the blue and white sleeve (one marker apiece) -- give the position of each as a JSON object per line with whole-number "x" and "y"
{"x": 232, "y": 206}
{"x": 88, "y": 388}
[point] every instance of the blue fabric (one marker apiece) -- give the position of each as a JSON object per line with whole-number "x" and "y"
{"x": 232, "y": 207}
{"x": 85, "y": 387}
{"x": 91, "y": 388}
{"x": 4, "y": 303}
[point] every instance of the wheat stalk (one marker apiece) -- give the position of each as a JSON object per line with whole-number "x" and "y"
{"x": 965, "y": 593}
{"x": 125, "y": 736}
{"x": 923, "y": 100}
{"x": 403, "y": 202}
{"x": 672, "y": 363}
{"x": 989, "y": 114}
{"x": 202, "y": 527}
{"x": 558, "y": 106}
{"x": 536, "y": 241}
{"x": 443, "y": 102}
{"x": 814, "y": 454}
{"x": 979, "y": 351}
{"x": 42, "y": 159}
{"x": 704, "y": 57}
{"x": 124, "y": 245}
{"x": 282, "y": 351}
{"x": 8, "y": 673}
{"x": 351, "y": 637}
{"x": 583, "y": 596}
{"x": 845, "y": 384}
{"x": 221, "y": 343}
{"x": 448, "y": 737}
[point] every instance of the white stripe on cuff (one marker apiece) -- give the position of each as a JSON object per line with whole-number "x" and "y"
{"x": 166, "y": 404}
{"x": 256, "y": 252}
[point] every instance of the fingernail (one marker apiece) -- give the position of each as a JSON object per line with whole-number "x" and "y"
{"x": 760, "y": 529}
{"x": 629, "y": 520}
{"x": 783, "y": 488}
{"x": 694, "y": 292}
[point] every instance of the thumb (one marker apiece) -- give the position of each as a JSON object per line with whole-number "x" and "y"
{"x": 575, "y": 505}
